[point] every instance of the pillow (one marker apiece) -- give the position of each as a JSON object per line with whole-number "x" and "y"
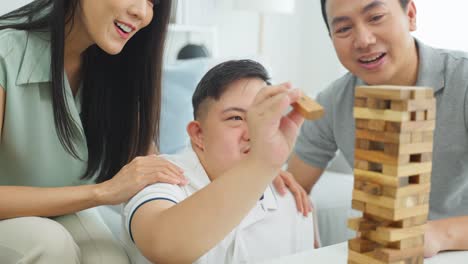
{"x": 178, "y": 84}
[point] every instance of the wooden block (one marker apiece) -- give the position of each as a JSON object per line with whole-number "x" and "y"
{"x": 392, "y": 234}
{"x": 386, "y": 115}
{"x": 392, "y": 255}
{"x": 374, "y": 103}
{"x": 356, "y": 205}
{"x": 397, "y": 214}
{"x": 430, "y": 114}
{"x": 407, "y": 170}
{"x": 430, "y": 93}
{"x": 308, "y": 108}
{"x": 416, "y": 137}
{"x": 413, "y": 105}
{"x": 407, "y": 243}
{"x": 390, "y": 202}
{"x": 423, "y": 157}
{"x": 361, "y": 123}
{"x": 401, "y": 244}
{"x": 412, "y": 126}
{"x": 360, "y": 224}
{"x": 409, "y": 190}
{"x": 418, "y": 116}
{"x": 376, "y": 125}
{"x": 360, "y": 102}
{"x": 385, "y": 137}
{"x": 419, "y": 94}
{"x": 368, "y": 187}
{"x": 389, "y": 92}
{"x": 410, "y": 222}
{"x": 361, "y": 164}
{"x": 362, "y": 245}
{"x": 416, "y": 260}
{"x": 421, "y": 179}
{"x": 362, "y": 144}
{"x": 376, "y": 177}
{"x": 367, "y": 258}
{"x": 428, "y": 136}
{"x": 368, "y": 199}
{"x": 411, "y": 148}
{"x": 381, "y": 157}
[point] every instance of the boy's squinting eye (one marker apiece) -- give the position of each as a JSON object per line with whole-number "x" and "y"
{"x": 235, "y": 118}
{"x": 376, "y": 18}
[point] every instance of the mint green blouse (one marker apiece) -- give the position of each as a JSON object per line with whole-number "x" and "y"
{"x": 30, "y": 151}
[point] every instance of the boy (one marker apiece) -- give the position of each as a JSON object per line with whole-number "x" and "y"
{"x": 228, "y": 211}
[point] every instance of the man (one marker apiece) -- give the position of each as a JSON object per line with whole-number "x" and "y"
{"x": 373, "y": 40}
{"x": 227, "y": 213}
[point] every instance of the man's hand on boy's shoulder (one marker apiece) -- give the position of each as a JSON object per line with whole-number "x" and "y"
{"x": 285, "y": 181}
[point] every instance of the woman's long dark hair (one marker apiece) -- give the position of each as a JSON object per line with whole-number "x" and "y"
{"x": 121, "y": 93}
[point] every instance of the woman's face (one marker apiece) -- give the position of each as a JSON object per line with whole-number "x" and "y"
{"x": 111, "y": 23}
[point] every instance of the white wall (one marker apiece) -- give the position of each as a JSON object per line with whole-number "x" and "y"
{"x": 443, "y": 23}
{"x": 297, "y": 46}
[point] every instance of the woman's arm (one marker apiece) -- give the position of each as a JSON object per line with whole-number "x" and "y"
{"x": 168, "y": 233}
{"x": 17, "y": 201}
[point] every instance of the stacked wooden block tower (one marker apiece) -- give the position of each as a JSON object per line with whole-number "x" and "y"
{"x": 392, "y": 169}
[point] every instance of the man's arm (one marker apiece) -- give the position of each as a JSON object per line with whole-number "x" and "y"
{"x": 2, "y": 109}
{"x": 305, "y": 174}
{"x": 446, "y": 234}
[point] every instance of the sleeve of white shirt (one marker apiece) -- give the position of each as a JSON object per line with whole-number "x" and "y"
{"x": 158, "y": 191}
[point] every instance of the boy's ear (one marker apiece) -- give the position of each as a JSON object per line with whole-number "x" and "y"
{"x": 195, "y": 132}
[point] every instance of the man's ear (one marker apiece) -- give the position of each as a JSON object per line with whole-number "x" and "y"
{"x": 411, "y": 13}
{"x": 194, "y": 130}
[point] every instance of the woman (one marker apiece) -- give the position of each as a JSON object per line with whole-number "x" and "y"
{"x": 78, "y": 104}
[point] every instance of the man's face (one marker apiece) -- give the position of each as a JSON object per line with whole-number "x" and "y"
{"x": 372, "y": 39}
{"x": 224, "y": 132}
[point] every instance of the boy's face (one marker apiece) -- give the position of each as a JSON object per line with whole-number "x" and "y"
{"x": 372, "y": 38}
{"x": 224, "y": 137}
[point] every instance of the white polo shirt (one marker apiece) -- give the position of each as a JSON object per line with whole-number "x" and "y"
{"x": 273, "y": 228}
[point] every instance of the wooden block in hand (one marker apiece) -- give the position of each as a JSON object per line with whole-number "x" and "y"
{"x": 308, "y": 108}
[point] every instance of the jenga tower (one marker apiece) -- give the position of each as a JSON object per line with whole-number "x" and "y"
{"x": 392, "y": 171}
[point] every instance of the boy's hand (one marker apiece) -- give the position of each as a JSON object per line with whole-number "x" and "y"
{"x": 284, "y": 181}
{"x": 273, "y": 135}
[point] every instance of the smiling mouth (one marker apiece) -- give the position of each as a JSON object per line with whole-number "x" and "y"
{"x": 373, "y": 59}
{"x": 124, "y": 28}
{"x": 246, "y": 151}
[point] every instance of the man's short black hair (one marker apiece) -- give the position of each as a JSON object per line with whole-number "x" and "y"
{"x": 215, "y": 82}
{"x": 323, "y": 3}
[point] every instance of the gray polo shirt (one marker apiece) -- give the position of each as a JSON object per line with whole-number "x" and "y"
{"x": 447, "y": 73}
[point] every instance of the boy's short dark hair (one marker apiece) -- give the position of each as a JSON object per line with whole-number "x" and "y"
{"x": 323, "y": 3}
{"x": 215, "y": 82}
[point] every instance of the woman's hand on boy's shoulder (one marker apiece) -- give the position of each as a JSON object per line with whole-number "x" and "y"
{"x": 136, "y": 175}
